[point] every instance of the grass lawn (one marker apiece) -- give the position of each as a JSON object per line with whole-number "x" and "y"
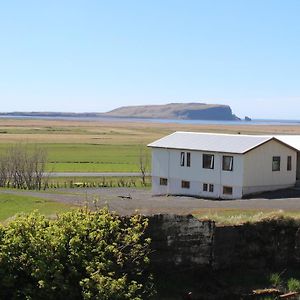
{"x": 236, "y": 216}
{"x": 11, "y": 205}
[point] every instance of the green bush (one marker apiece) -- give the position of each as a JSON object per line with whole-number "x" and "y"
{"x": 293, "y": 285}
{"x": 276, "y": 280}
{"x": 81, "y": 255}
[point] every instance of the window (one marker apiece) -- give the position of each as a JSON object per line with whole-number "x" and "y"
{"x": 208, "y": 187}
{"x": 289, "y": 163}
{"x": 188, "y": 159}
{"x": 185, "y": 159}
{"x": 163, "y": 181}
{"x": 182, "y": 156}
{"x": 185, "y": 184}
{"x": 276, "y": 163}
{"x": 227, "y": 190}
{"x": 227, "y": 163}
{"x": 208, "y": 161}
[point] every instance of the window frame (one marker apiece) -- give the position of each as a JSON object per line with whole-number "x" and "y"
{"x": 211, "y": 188}
{"x": 182, "y": 159}
{"x": 163, "y": 181}
{"x": 212, "y": 161}
{"x": 229, "y": 190}
{"x": 230, "y": 168}
{"x": 289, "y": 163}
{"x": 185, "y": 184}
{"x": 205, "y": 187}
{"x": 277, "y": 168}
{"x": 188, "y": 159}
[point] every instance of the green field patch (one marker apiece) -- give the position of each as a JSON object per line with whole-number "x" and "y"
{"x": 93, "y": 158}
{"x": 10, "y": 205}
{"x": 91, "y": 167}
{"x": 90, "y": 157}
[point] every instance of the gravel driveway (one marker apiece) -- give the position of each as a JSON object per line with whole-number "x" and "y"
{"x": 129, "y": 200}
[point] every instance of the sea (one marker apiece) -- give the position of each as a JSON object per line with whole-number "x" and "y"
{"x": 112, "y": 119}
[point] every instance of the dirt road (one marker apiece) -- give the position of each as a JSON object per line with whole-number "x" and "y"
{"x": 129, "y": 200}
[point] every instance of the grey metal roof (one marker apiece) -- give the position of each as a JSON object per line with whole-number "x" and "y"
{"x": 228, "y": 143}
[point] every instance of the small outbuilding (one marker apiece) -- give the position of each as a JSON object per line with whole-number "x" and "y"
{"x": 222, "y": 166}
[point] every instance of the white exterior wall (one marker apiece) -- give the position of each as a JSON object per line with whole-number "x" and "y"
{"x": 258, "y": 174}
{"x": 166, "y": 164}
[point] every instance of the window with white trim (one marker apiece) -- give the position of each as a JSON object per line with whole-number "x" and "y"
{"x": 208, "y": 187}
{"x": 227, "y": 164}
{"x": 185, "y": 159}
{"x": 276, "y": 163}
{"x": 227, "y": 190}
{"x": 182, "y": 158}
{"x": 208, "y": 161}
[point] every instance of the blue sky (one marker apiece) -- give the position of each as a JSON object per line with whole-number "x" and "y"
{"x": 98, "y": 55}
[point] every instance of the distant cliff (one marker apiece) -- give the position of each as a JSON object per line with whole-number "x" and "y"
{"x": 183, "y": 111}
{"x": 175, "y": 111}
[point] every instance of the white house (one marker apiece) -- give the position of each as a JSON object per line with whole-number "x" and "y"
{"x": 293, "y": 141}
{"x": 221, "y": 165}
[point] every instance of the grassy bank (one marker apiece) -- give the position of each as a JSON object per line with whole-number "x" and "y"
{"x": 238, "y": 216}
{"x": 11, "y": 205}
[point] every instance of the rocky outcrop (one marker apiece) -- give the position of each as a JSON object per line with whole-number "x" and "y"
{"x": 183, "y": 111}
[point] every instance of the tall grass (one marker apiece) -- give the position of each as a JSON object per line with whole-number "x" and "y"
{"x": 237, "y": 217}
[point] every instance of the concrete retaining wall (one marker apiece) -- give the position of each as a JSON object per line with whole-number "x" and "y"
{"x": 184, "y": 241}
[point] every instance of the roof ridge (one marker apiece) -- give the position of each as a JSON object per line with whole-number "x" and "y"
{"x": 225, "y": 134}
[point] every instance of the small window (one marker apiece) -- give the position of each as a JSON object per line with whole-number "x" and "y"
{"x": 182, "y": 155}
{"x": 276, "y": 163}
{"x": 163, "y": 181}
{"x": 185, "y": 184}
{"x": 208, "y": 161}
{"x": 289, "y": 163}
{"x": 188, "y": 159}
{"x": 227, "y": 163}
{"x": 205, "y": 187}
{"x": 227, "y": 190}
{"x": 211, "y": 188}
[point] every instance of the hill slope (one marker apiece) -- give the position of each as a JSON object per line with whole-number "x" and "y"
{"x": 184, "y": 111}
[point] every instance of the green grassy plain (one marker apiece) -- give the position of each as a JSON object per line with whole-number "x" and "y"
{"x": 92, "y": 158}
{"x": 11, "y": 205}
{"x": 105, "y": 146}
